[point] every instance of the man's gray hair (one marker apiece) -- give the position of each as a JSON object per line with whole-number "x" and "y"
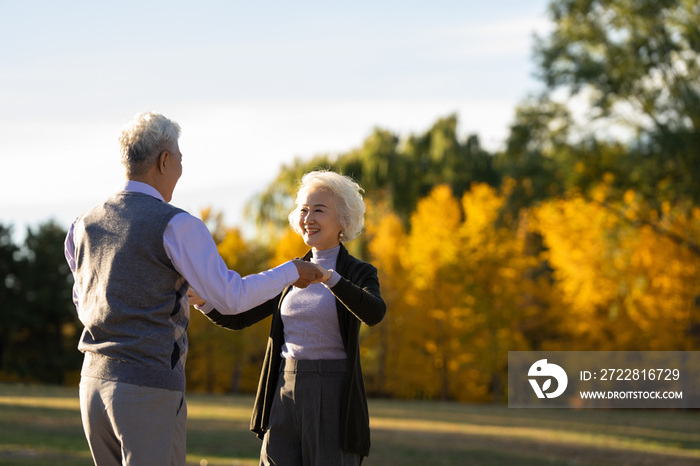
{"x": 143, "y": 138}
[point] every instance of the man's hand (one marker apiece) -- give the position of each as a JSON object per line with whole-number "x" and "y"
{"x": 308, "y": 273}
{"x": 195, "y": 299}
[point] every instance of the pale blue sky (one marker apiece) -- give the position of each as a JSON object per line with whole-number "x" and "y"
{"x": 253, "y": 84}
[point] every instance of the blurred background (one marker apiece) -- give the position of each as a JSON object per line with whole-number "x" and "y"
{"x": 530, "y": 169}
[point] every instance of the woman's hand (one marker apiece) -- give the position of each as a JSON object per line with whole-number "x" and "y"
{"x": 195, "y": 299}
{"x": 326, "y": 274}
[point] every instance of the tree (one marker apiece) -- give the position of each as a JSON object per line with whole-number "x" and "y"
{"x": 44, "y": 327}
{"x": 618, "y": 284}
{"x": 537, "y": 155}
{"x": 463, "y": 281}
{"x": 221, "y": 360}
{"x": 495, "y": 264}
{"x": 289, "y": 246}
{"x": 383, "y": 347}
{"x": 269, "y": 209}
{"x": 438, "y": 157}
{"x": 389, "y": 172}
{"x": 638, "y": 62}
{"x": 10, "y": 295}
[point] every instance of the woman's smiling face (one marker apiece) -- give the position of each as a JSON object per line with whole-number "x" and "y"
{"x": 318, "y": 219}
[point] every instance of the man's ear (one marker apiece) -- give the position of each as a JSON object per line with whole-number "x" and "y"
{"x": 162, "y": 159}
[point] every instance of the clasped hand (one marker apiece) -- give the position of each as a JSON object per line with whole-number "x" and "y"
{"x": 309, "y": 273}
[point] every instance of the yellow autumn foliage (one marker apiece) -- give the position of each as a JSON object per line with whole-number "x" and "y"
{"x": 289, "y": 246}
{"x": 220, "y": 360}
{"x": 465, "y": 282}
{"x": 622, "y": 285}
{"x": 455, "y": 317}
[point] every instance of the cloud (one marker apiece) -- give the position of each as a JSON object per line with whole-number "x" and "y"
{"x": 493, "y": 40}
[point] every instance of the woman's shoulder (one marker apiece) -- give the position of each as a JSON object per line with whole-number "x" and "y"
{"x": 355, "y": 266}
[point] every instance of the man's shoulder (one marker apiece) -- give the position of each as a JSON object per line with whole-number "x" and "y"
{"x": 185, "y": 224}
{"x": 145, "y": 202}
{"x": 135, "y": 207}
{"x": 183, "y": 217}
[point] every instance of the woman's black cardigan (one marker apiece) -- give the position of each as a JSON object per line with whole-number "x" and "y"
{"x": 357, "y": 301}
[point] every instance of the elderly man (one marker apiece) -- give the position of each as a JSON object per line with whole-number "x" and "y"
{"x": 133, "y": 258}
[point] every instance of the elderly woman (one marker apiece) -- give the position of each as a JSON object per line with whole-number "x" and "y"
{"x": 311, "y": 405}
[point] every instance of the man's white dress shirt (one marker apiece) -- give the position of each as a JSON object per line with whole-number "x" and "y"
{"x": 194, "y": 255}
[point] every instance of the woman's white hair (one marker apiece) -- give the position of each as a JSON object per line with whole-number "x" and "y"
{"x": 143, "y": 138}
{"x": 349, "y": 206}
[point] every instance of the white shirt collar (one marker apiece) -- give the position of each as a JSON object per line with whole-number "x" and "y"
{"x": 143, "y": 188}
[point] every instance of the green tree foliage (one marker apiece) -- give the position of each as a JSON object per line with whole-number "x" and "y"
{"x": 537, "y": 152}
{"x": 541, "y": 157}
{"x": 639, "y": 64}
{"x": 40, "y": 327}
{"x": 10, "y": 295}
{"x": 395, "y": 173}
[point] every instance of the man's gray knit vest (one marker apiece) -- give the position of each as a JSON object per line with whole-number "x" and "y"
{"x": 133, "y": 302}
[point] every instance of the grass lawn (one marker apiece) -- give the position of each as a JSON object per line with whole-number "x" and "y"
{"x": 40, "y": 425}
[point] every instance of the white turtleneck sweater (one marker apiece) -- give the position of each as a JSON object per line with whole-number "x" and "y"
{"x": 310, "y": 318}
